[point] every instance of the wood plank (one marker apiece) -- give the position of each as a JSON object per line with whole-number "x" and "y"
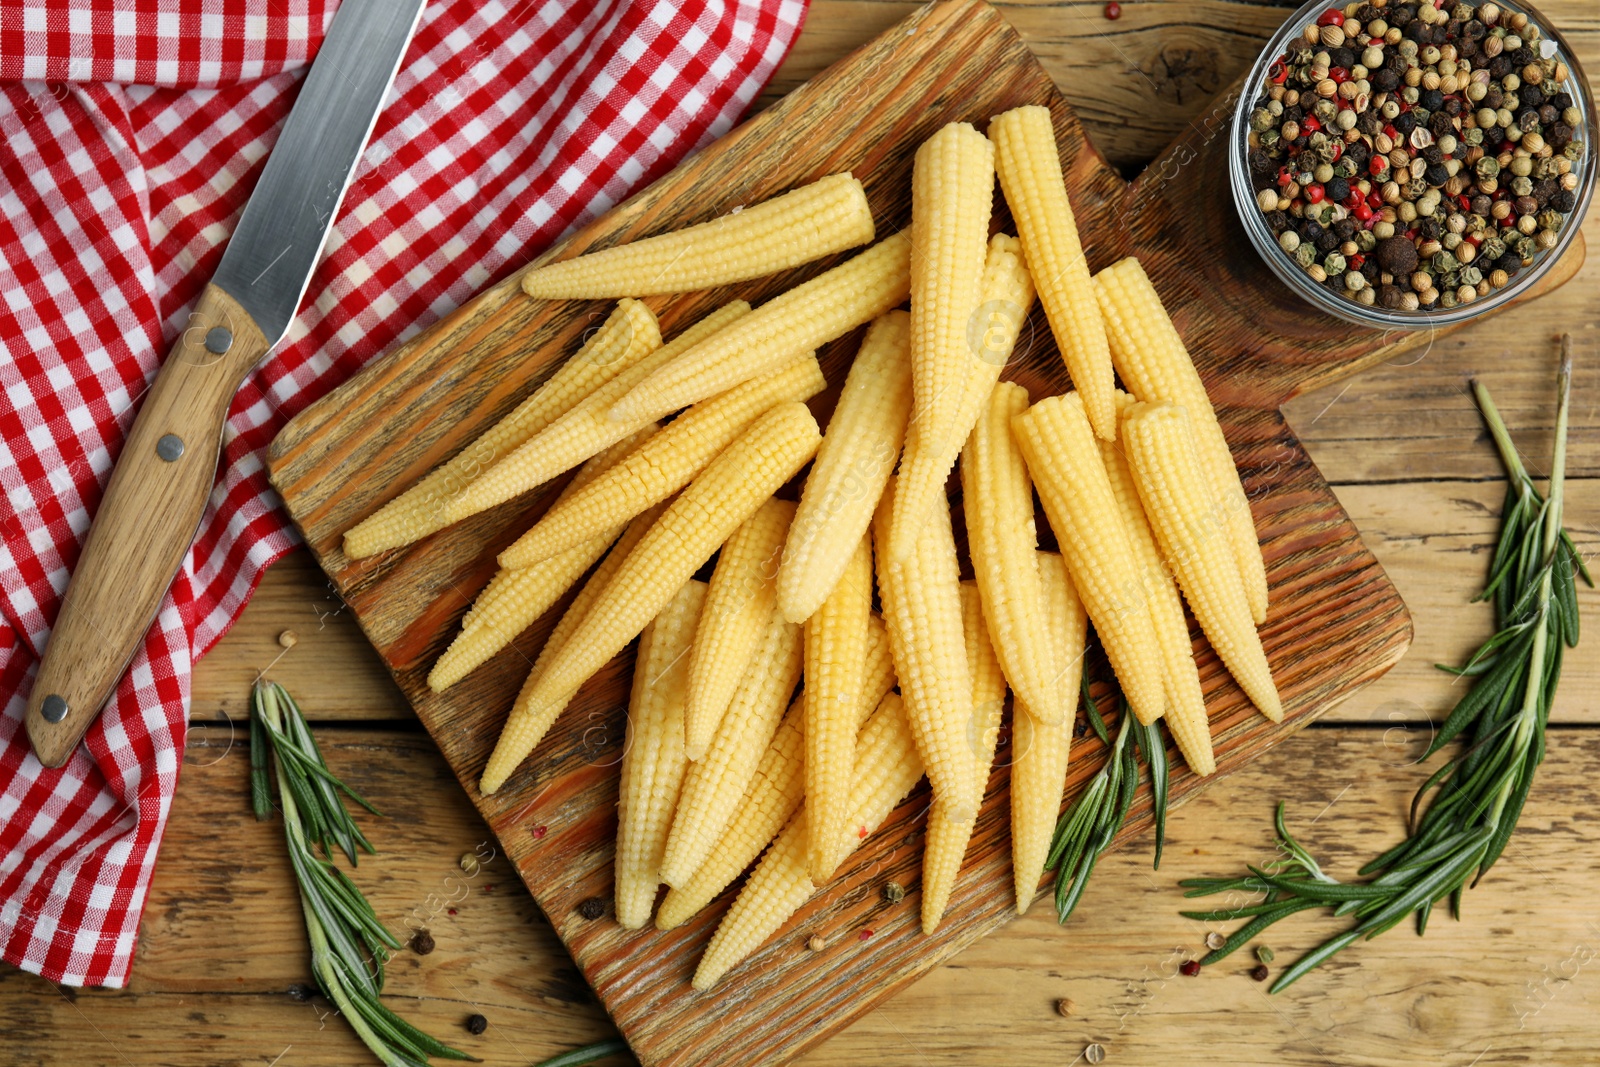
{"x": 222, "y": 947}
{"x": 331, "y": 659}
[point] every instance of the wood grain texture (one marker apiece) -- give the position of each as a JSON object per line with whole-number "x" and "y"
{"x": 143, "y": 526}
{"x": 1257, "y": 346}
{"x": 222, "y": 969}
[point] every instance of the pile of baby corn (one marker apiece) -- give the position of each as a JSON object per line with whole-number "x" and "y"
{"x": 722, "y": 759}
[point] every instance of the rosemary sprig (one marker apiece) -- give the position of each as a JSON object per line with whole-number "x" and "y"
{"x": 1087, "y": 828}
{"x": 349, "y": 944}
{"x": 1466, "y": 811}
{"x": 586, "y": 1054}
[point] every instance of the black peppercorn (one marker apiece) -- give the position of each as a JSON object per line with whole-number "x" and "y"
{"x": 1493, "y": 97}
{"x": 1564, "y": 200}
{"x": 1440, "y": 123}
{"x": 1474, "y": 30}
{"x": 1530, "y": 96}
{"x": 1345, "y": 229}
{"x": 1277, "y": 221}
{"x": 591, "y": 908}
{"x": 1435, "y": 155}
{"x": 1527, "y": 120}
{"x": 1467, "y": 48}
{"x": 1416, "y": 31}
{"x": 1295, "y": 114}
{"x": 1310, "y": 229}
{"x": 1405, "y": 122}
{"x": 422, "y": 942}
{"x": 1561, "y": 101}
{"x": 1547, "y": 114}
{"x": 1510, "y": 263}
{"x": 1481, "y": 205}
{"x": 1385, "y": 81}
{"x": 1358, "y": 154}
{"x": 1493, "y": 137}
{"x": 1397, "y": 255}
{"x": 1367, "y": 12}
{"x": 476, "y": 1024}
{"x": 1328, "y": 241}
{"x": 1436, "y": 175}
{"x": 1431, "y": 99}
{"x": 1403, "y": 15}
{"x": 1543, "y": 190}
{"x": 1397, "y": 63}
{"x": 1559, "y": 135}
{"x": 1341, "y": 57}
{"x": 1523, "y": 56}
{"x": 1390, "y": 297}
{"x": 1499, "y": 66}
{"x": 1427, "y": 229}
{"x": 1337, "y": 190}
{"x": 1370, "y": 271}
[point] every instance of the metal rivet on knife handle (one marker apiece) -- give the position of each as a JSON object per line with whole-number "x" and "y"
{"x": 170, "y": 447}
{"x": 218, "y": 340}
{"x": 54, "y": 709}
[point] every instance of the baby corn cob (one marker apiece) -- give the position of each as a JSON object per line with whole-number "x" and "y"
{"x": 586, "y": 429}
{"x": 1058, "y": 444}
{"x": 715, "y": 783}
{"x": 1155, "y": 365}
{"x": 775, "y": 794}
{"x": 626, "y": 338}
{"x": 1040, "y": 752}
{"x": 742, "y": 598}
{"x": 532, "y": 723}
{"x": 800, "y": 320}
{"x": 671, "y": 459}
{"x": 858, "y": 453}
{"x": 997, "y": 496}
{"x": 827, "y": 216}
{"x": 725, "y": 494}
{"x": 1007, "y": 297}
{"x": 952, "y": 193}
{"x": 835, "y": 669}
{"x": 947, "y": 838}
{"x": 921, "y": 597}
{"x": 1029, "y": 165}
{"x": 887, "y": 767}
{"x": 653, "y": 760}
{"x": 514, "y": 599}
{"x": 1172, "y": 485}
{"x": 1186, "y": 704}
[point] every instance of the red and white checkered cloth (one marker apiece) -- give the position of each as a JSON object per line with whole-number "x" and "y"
{"x": 129, "y": 142}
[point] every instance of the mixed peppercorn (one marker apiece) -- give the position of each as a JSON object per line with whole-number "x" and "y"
{"x": 1414, "y": 156}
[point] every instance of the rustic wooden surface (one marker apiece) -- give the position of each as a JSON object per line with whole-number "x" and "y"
{"x": 1336, "y": 621}
{"x": 1405, "y": 454}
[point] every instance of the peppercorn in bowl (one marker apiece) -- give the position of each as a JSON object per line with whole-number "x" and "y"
{"x": 1406, "y": 164}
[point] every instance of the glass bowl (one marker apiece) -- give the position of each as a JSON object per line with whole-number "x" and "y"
{"x": 1375, "y": 315}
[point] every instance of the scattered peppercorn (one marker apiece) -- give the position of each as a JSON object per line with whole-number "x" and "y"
{"x": 1215, "y": 940}
{"x": 1094, "y": 1054}
{"x": 864, "y": 935}
{"x": 1415, "y": 156}
{"x": 1064, "y": 1007}
{"x": 816, "y": 944}
{"x": 1265, "y": 954}
{"x": 893, "y": 892}
{"x": 476, "y": 1024}
{"x": 422, "y": 942}
{"x": 301, "y": 992}
{"x": 287, "y": 639}
{"x": 1113, "y": 10}
{"x": 591, "y": 908}
{"x": 1190, "y": 968}
{"x": 1259, "y": 972}
{"x": 468, "y": 864}
{"x": 538, "y": 832}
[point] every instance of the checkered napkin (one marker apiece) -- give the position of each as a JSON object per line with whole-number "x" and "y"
{"x": 129, "y": 142}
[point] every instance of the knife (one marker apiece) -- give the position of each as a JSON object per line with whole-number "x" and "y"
{"x": 152, "y": 506}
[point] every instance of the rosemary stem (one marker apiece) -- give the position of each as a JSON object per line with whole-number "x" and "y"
{"x": 321, "y": 952}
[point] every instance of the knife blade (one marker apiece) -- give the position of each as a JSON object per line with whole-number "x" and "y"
{"x": 153, "y": 504}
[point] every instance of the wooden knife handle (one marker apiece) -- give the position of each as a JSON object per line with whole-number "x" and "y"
{"x": 145, "y": 524}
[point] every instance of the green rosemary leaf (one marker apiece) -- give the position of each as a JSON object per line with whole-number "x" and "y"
{"x": 1155, "y": 757}
{"x": 260, "y": 788}
{"x": 1093, "y": 710}
{"x": 1313, "y": 959}
{"x": 587, "y": 1054}
{"x": 1248, "y": 932}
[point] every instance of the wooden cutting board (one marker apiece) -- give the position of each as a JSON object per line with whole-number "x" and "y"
{"x": 1336, "y": 620}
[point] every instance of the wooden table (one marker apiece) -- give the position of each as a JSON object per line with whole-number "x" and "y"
{"x": 222, "y": 974}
